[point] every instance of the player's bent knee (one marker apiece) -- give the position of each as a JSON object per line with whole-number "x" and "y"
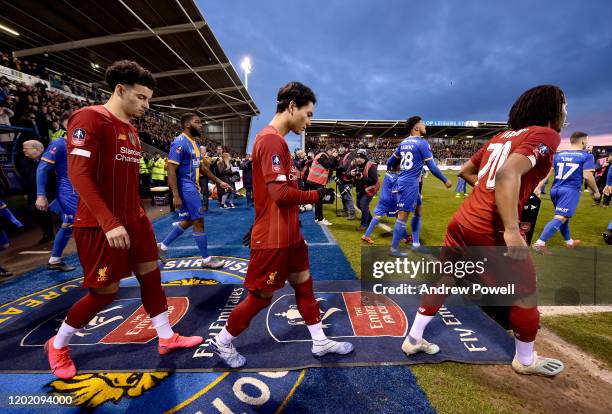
{"x": 106, "y": 290}
{"x": 299, "y": 277}
{"x": 144, "y": 268}
{"x": 561, "y": 218}
{"x": 261, "y": 294}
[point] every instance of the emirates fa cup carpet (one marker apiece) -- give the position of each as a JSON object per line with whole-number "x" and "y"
{"x": 120, "y": 337}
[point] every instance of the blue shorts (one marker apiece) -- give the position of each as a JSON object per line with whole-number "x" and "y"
{"x": 192, "y": 204}
{"x": 408, "y": 198}
{"x": 65, "y": 207}
{"x": 386, "y": 207}
{"x": 565, "y": 200}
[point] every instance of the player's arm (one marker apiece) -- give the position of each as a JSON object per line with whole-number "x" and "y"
{"x": 393, "y": 159}
{"x": 272, "y": 156}
{"x": 469, "y": 172}
{"x": 82, "y": 172}
{"x": 431, "y": 164}
{"x": 538, "y": 190}
{"x": 588, "y": 170}
{"x": 507, "y": 188}
{"x": 206, "y": 171}
{"x": 42, "y": 173}
{"x": 171, "y": 167}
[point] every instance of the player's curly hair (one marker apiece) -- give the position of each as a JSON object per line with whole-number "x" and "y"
{"x": 186, "y": 117}
{"x": 128, "y": 72}
{"x": 296, "y": 92}
{"x": 540, "y": 106}
{"x": 412, "y": 121}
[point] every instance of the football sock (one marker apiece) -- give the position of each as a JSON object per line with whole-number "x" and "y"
{"x": 152, "y": 292}
{"x": 161, "y": 323}
{"x": 63, "y": 336}
{"x": 372, "y": 226}
{"x": 524, "y": 351}
{"x": 86, "y": 308}
{"x": 202, "y": 241}
{"x": 241, "y": 316}
{"x": 399, "y": 229}
{"x": 565, "y": 231}
{"x": 525, "y": 323}
{"x": 415, "y": 224}
{"x": 225, "y": 337}
{"x": 61, "y": 240}
{"x": 418, "y": 326}
{"x": 174, "y": 234}
{"x": 316, "y": 332}
{"x": 307, "y": 303}
{"x": 549, "y": 230}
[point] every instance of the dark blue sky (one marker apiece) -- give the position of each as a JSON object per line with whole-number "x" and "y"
{"x": 443, "y": 60}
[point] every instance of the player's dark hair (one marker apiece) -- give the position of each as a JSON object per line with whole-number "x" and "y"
{"x": 186, "y": 117}
{"x": 296, "y": 92}
{"x": 128, "y": 72}
{"x": 412, "y": 121}
{"x": 537, "y": 106}
{"x": 577, "y": 136}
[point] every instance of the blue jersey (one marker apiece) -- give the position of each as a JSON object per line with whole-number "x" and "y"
{"x": 56, "y": 155}
{"x": 387, "y": 192}
{"x": 185, "y": 152}
{"x": 413, "y": 153}
{"x": 569, "y": 166}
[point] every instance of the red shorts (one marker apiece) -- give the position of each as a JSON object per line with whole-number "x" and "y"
{"x": 103, "y": 265}
{"x": 269, "y": 268}
{"x": 499, "y": 270}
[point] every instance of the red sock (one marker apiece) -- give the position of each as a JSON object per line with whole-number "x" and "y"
{"x": 428, "y": 310}
{"x": 241, "y": 316}
{"x": 152, "y": 293}
{"x": 306, "y": 302}
{"x": 525, "y": 323}
{"x": 86, "y": 308}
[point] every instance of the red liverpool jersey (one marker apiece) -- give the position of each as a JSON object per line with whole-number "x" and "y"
{"x": 275, "y": 226}
{"x": 103, "y": 166}
{"x": 479, "y": 211}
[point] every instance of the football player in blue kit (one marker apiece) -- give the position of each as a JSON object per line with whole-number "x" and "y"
{"x": 570, "y": 168}
{"x": 387, "y": 203}
{"x": 413, "y": 153}
{"x": 55, "y": 158}
{"x": 184, "y": 166}
{"x": 6, "y": 213}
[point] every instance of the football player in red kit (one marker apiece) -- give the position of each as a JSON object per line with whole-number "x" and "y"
{"x": 113, "y": 235}
{"x": 504, "y": 173}
{"x": 278, "y": 250}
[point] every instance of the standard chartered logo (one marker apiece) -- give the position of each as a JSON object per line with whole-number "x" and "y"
{"x": 128, "y": 155}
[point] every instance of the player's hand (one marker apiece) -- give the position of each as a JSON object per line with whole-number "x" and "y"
{"x": 538, "y": 192}
{"x": 118, "y": 238}
{"x": 596, "y": 196}
{"x": 607, "y": 190}
{"x": 517, "y": 247}
{"x": 246, "y": 239}
{"x": 448, "y": 184}
{"x": 326, "y": 195}
{"x": 225, "y": 186}
{"x": 42, "y": 203}
{"x": 177, "y": 202}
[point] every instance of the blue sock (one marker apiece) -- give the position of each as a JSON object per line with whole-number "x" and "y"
{"x": 202, "y": 242}
{"x": 399, "y": 229}
{"x": 61, "y": 240}
{"x": 610, "y": 225}
{"x": 565, "y": 231}
{"x": 174, "y": 234}
{"x": 9, "y": 215}
{"x": 550, "y": 229}
{"x": 415, "y": 224}
{"x": 371, "y": 227}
